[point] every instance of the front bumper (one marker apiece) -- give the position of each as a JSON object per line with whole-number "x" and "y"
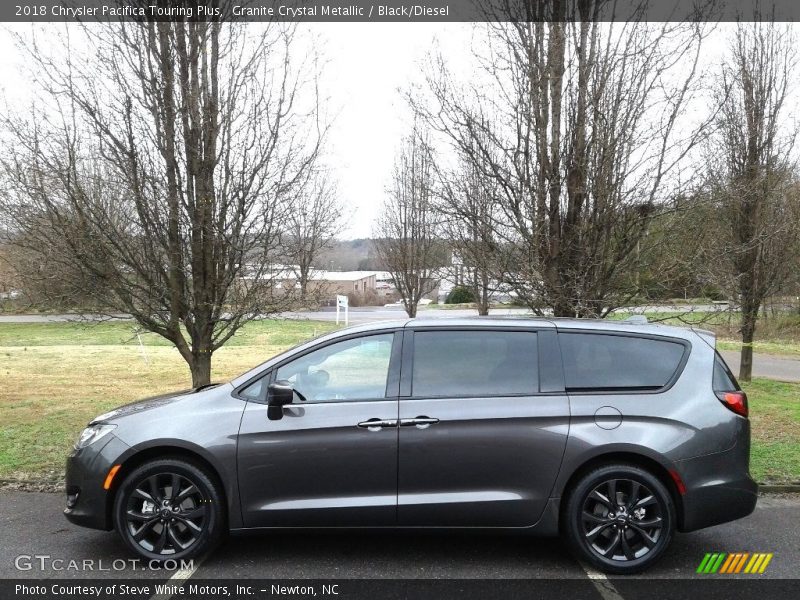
{"x": 87, "y": 501}
{"x": 719, "y": 488}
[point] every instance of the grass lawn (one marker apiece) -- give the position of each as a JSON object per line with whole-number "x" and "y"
{"x": 775, "y": 422}
{"x": 54, "y": 377}
{"x": 786, "y": 349}
{"x": 778, "y": 336}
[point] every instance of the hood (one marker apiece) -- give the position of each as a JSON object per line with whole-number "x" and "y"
{"x": 150, "y": 403}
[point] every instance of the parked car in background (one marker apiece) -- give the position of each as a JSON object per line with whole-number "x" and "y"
{"x": 613, "y": 435}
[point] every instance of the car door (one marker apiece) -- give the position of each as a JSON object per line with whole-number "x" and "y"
{"x": 331, "y": 458}
{"x": 483, "y": 425}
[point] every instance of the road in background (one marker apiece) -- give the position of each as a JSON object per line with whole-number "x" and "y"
{"x": 766, "y": 365}
{"x": 366, "y": 314}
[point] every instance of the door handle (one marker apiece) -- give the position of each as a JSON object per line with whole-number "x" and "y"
{"x": 422, "y": 422}
{"x": 377, "y": 424}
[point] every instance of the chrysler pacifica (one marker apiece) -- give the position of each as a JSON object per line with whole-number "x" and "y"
{"x": 612, "y": 434}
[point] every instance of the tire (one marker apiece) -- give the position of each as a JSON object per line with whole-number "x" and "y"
{"x": 627, "y": 535}
{"x": 156, "y": 524}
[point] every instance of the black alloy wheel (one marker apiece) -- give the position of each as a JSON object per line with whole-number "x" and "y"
{"x": 620, "y": 518}
{"x": 169, "y": 509}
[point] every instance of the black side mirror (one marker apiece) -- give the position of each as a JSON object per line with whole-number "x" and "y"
{"x": 279, "y": 394}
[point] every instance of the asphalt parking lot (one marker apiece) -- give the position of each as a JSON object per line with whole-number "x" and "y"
{"x": 32, "y": 526}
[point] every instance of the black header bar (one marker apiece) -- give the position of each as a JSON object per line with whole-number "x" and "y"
{"x": 409, "y": 11}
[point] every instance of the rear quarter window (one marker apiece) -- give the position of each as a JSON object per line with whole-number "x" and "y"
{"x": 606, "y": 362}
{"x": 724, "y": 381}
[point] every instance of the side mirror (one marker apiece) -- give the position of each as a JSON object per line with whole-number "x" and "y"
{"x": 279, "y": 394}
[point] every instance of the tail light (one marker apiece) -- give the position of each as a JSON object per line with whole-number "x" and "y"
{"x": 735, "y": 401}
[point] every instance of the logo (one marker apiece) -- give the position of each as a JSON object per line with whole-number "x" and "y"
{"x": 736, "y": 562}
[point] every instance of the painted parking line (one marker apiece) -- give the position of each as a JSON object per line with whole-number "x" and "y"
{"x": 601, "y": 583}
{"x": 177, "y": 578}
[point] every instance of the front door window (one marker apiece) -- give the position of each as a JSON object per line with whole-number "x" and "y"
{"x": 355, "y": 369}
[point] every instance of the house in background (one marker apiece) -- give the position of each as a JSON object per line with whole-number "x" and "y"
{"x": 342, "y": 282}
{"x": 359, "y": 286}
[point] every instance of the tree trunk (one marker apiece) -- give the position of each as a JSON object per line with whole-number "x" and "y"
{"x": 749, "y": 317}
{"x": 483, "y": 306}
{"x": 411, "y": 309}
{"x": 564, "y": 308}
{"x": 200, "y": 366}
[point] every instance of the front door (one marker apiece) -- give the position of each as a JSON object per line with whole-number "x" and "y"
{"x": 482, "y": 434}
{"x": 331, "y": 459}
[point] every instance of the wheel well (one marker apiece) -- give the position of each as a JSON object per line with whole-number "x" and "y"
{"x": 630, "y": 458}
{"x": 159, "y": 452}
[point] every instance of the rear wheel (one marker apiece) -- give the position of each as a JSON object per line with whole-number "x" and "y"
{"x": 619, "y": 518}
{"x": 169, "y": 509}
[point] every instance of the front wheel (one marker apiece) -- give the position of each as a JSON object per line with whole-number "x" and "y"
{"x": 169, "y": 509}
{"x": 619, "y": 518}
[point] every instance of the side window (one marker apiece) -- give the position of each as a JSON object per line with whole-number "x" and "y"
{"x": 256, "y": 390}
{"x": 474, "y": 363}
{"x": 724, "y": 381}
{"x": 595, "y": 361}
{"x": 354, "y": 369}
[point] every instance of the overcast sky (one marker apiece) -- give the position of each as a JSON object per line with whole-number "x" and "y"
{"x": 367, "y": 63}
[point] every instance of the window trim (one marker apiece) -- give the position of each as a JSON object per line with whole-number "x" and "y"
{"x": 392, "y": 376}
{"x": 408, "y": 362}
{"x": 629, "y": 391}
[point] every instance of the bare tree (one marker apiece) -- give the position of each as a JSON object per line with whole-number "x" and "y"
{"x": 158, "y": 157}
{"x": 466, "y": 202}
{"x": 753, "y": 182}
{"x": 406, "y": 230}
{"x": 314, "y": 220}
{"x": 579, "y": 122}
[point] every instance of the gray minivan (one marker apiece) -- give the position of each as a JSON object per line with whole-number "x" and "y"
{"x": 612, "y": 434}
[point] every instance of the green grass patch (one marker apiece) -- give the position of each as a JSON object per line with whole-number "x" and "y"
{"x": 774, "y": 335}
{"x": 56, "y": 376}
{"x": 775, "y": 423}
{"x": 789, "y": 349}
{"x": 284, "y": 332}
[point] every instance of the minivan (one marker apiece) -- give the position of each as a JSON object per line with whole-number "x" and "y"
{"x": 613, "y": 435}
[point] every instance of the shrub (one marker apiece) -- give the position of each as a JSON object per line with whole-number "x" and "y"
{"x": 460, "y": 295}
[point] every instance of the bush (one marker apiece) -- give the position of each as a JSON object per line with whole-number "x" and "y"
{"x": 366, "y": 298}
{"x": 460, "y": 295}
{"x": 354, "y": 299}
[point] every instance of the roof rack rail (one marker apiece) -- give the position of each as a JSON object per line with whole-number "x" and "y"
{"x": 636, "y": 320}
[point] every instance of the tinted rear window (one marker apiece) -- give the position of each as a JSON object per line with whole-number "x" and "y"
{"x": 594, "y": 361}
{"x": 474, "y": 363}
{"x": 724, "y": 381}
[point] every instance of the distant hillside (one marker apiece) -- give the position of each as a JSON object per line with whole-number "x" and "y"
{"x": 350, "y": 255}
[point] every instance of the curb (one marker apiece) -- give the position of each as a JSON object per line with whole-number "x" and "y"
{"x": 792, "y": 488}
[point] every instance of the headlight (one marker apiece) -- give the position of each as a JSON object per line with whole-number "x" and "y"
{"x": 93, "y": 433}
